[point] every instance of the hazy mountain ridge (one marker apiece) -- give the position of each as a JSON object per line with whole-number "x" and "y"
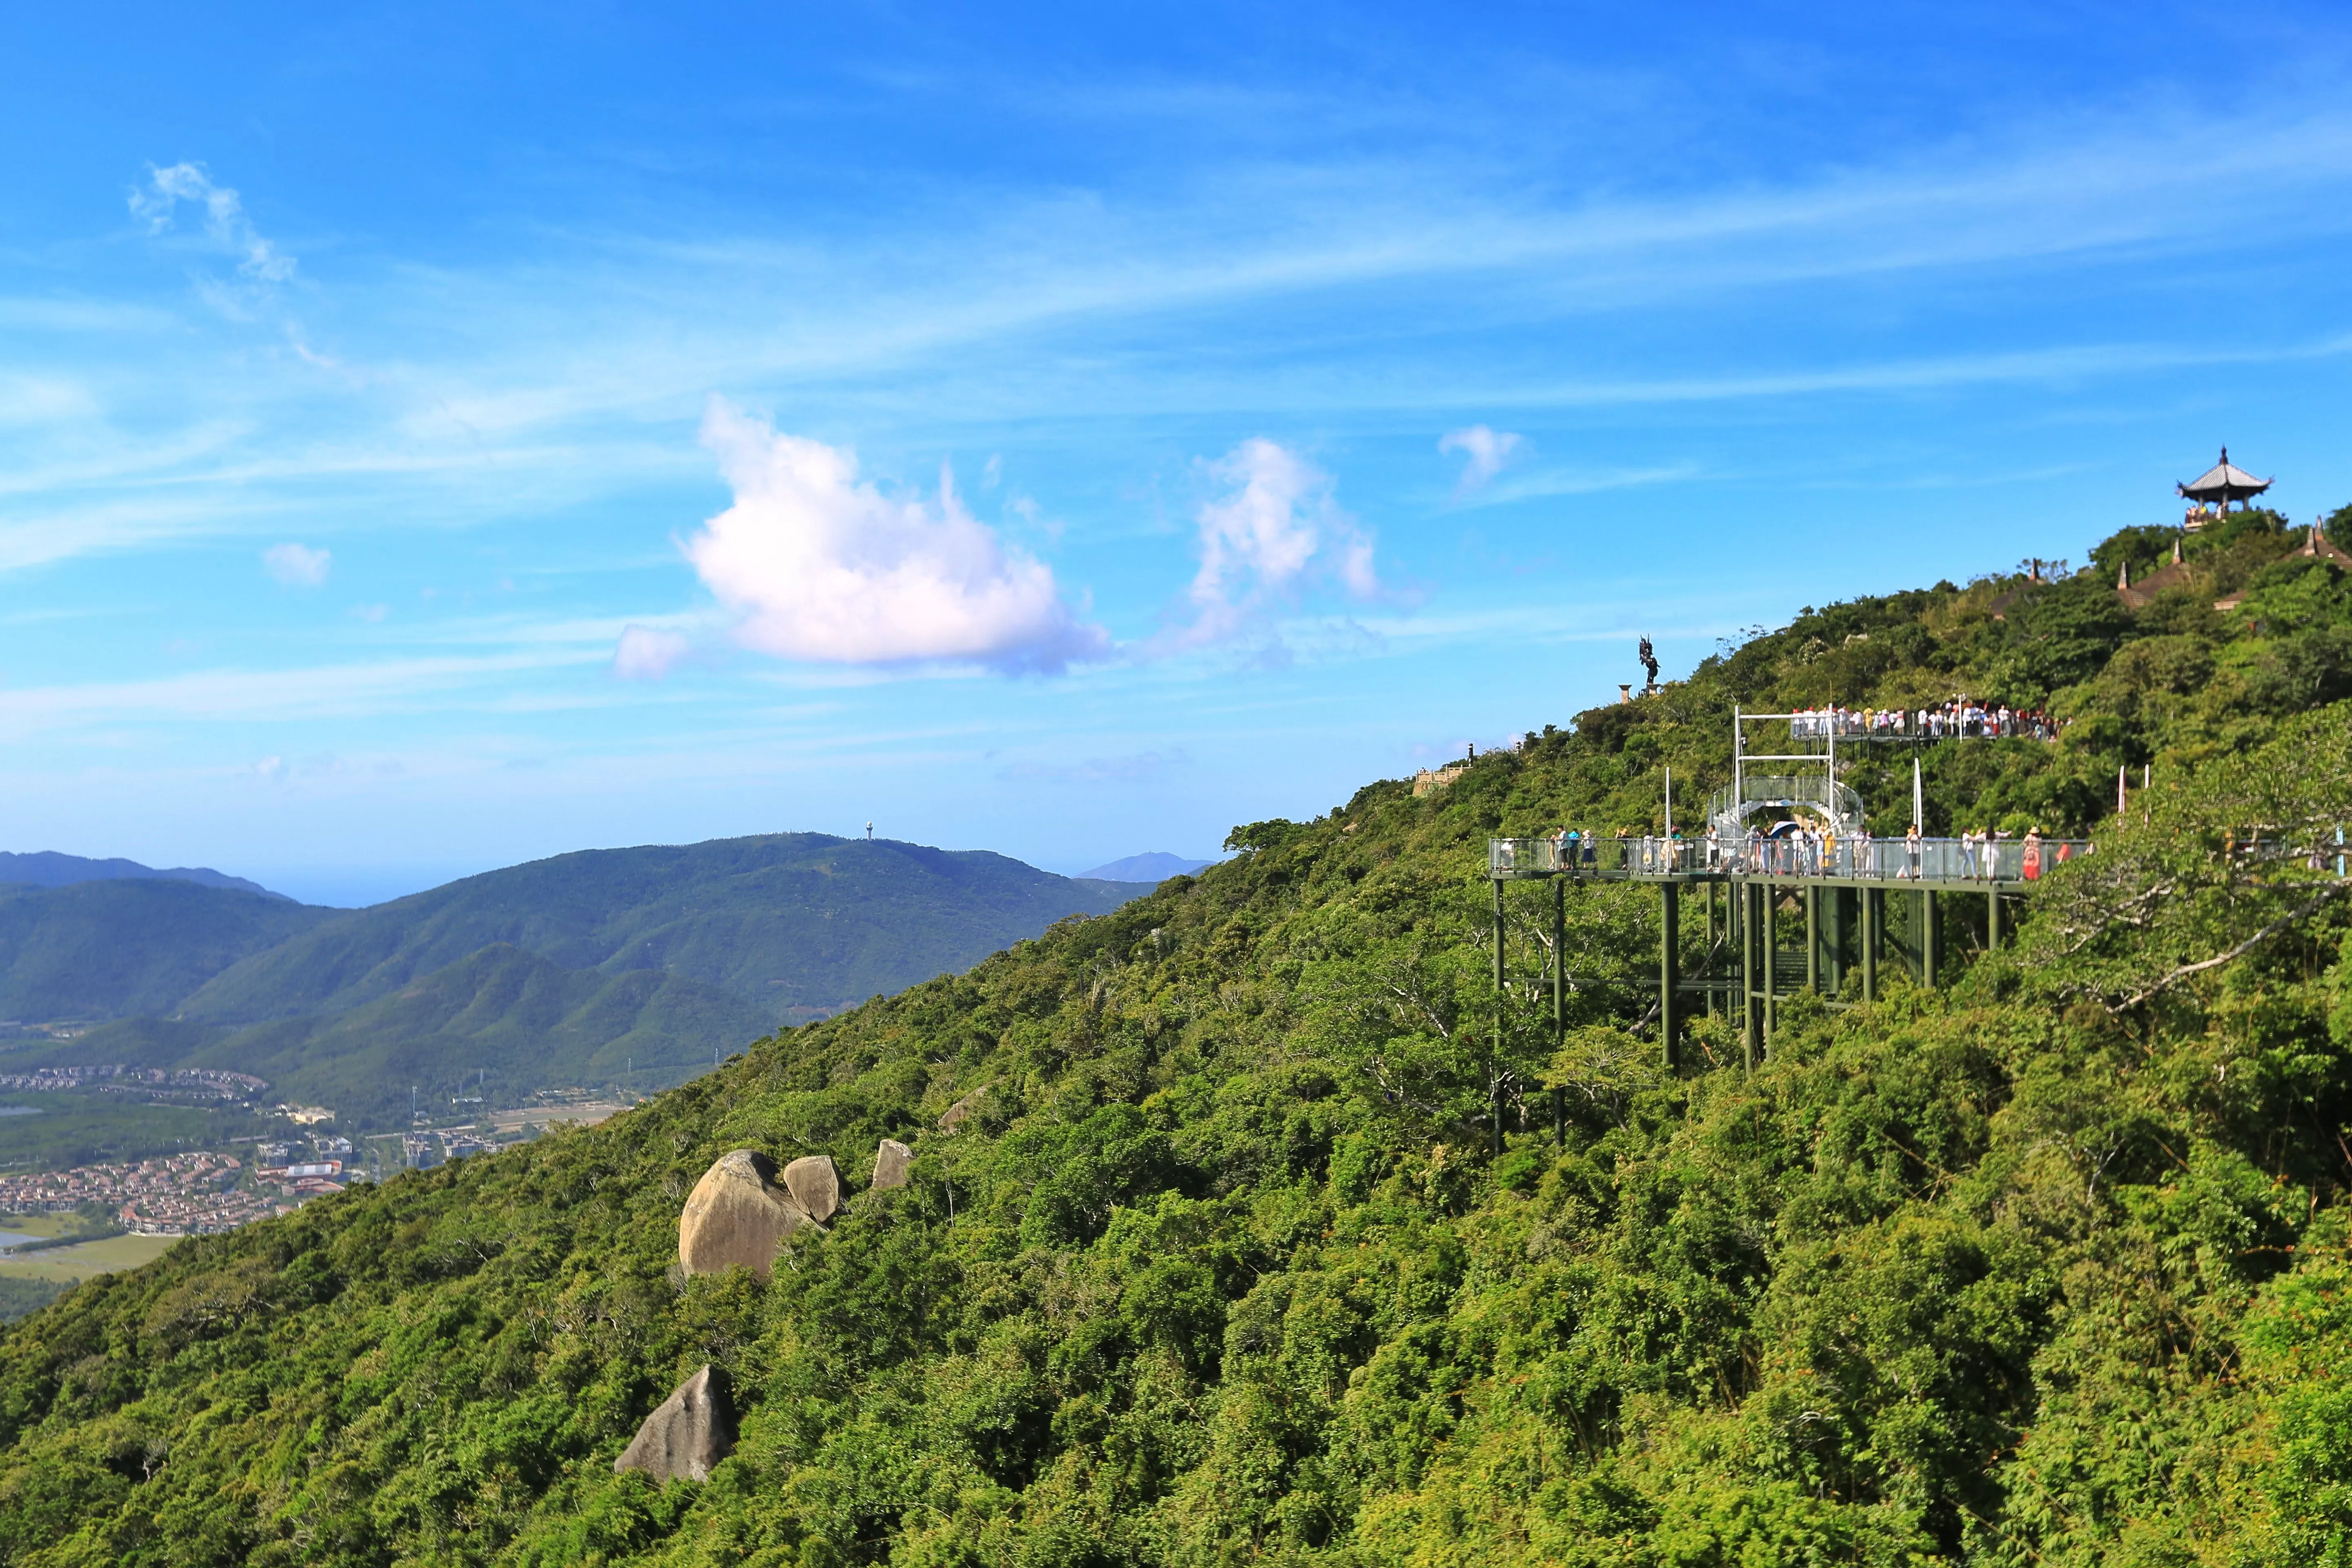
{"x": 857, "y": 918}
{"x": 48, "y": 868}
{"x": 1155, "y": 866}
{"x": 563, "y": 970}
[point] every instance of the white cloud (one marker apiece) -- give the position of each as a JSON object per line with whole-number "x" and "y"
{"x": 297, "y": 565}
{"x": 648, "y": 653}
{"x": 818, "y": 565}
{"x": 1484, "y": 453}
{"x": 1278, "y": 524}
{"x": 226, "y": 224}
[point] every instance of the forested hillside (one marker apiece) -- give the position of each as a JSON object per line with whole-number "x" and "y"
{"x": 2048, "y": 1267}
{"x": 114, "y": 948}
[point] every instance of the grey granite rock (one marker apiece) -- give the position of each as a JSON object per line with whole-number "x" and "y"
{"x": 890, "y": 1162}
{"x": 815, "y": 1185}
{"x": 692, "y": 1430}
{"x": 737, "y": 1215}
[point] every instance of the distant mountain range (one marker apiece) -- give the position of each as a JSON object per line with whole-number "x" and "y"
{"x": 583, "y": 969}
{"x": 1156, "y": 867}
{"x": 47, "y": 868}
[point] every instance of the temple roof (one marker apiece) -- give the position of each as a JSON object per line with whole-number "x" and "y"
{"x": 2224, "y": 482}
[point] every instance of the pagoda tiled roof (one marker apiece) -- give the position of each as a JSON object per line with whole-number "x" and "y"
{"x": 2224, "y": 481}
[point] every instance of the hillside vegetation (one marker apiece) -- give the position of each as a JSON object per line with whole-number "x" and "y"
{"x": 2047, "y": 1268}
{"x": 110, "y": 949}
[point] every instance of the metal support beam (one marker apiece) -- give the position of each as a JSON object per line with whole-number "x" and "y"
{"x": 1559, "y": 959}
{"x": 1927, "y": 937}
{"x": 1874, "y": 922}
{"x": 1992, "y": 920}
{"x": 1745, "y": 893}
{"x": 1495, "y": 1095}
{"x": 1711, "y": 948}
{"x": 1812, "y": 937}
{"x": 1670, "y": 938}
{"x": 1766, "y": 930}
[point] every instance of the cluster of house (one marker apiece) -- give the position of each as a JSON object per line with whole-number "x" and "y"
{"x": 178, "y": 1194}
{"x": 184, "y": 1083}
{"x": 196, "y": 1193}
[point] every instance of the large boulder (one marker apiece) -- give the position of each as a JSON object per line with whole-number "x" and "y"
{"x": 814, "y": 1185}
{"x": 891, "y": 1159}
{"x": 693, "y": 1429}
{"x": 737, "y": 1215}
{"x": 964, "y": 1109}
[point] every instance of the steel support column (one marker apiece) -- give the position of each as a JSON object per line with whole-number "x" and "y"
{"x": 1669, "y": 970}
{"x": 1559, "y": 959}
{"x": 1745, "y": 893}
{"x": 1927, "y": 937}
{"x": 1710, "y": 950}
{"x": 1873, "y": 919}
{"x": 1494, "y": 1094}
{"x": 1812, "y": 937}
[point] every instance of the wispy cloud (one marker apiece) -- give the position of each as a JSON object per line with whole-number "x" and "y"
{"x": 1533, "y": 483}
{"x": 348, "y": 691}
{"x": 1484, "y": 453}
{"x": 649, "y": 653}
{"x": 226, "y": 224}
{"x": 297, "y": 565}
{"x": 817, "y": 565}
{"x": 1277, "y": 523}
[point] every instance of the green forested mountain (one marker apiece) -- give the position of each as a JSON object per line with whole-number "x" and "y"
{"x": 109, "y": 949}
{"x": 559, "y": 970}
{"x": 2050, "y": 1267}
{"x": 791, "y": 919}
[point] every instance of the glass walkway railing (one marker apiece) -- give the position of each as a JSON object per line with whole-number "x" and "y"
{"x": 1851, "y": 858}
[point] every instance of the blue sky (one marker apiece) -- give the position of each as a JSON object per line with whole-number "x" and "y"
{"x": 431, "y": 440}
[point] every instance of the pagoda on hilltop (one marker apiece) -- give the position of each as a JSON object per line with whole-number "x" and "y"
{"x": 2216, "y": 488}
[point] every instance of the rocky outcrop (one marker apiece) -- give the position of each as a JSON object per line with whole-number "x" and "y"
{"x": 693, "y": 1430}
{"x": 737, "y": 1215}
{"x": 814, "y": 1185}
{"x": 890, "y": 1162}
{"x": 957, "y": 1114}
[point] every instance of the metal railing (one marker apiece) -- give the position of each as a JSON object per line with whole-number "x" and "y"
{"x": 1842, "y": 802}
{"x": 1850, "y": 856}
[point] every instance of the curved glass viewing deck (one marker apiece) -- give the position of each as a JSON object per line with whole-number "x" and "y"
{"x": 1791, "y": 890}
{"x": 1935, "y": 862}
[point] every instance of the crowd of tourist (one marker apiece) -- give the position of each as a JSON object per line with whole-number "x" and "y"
{"x": 1963, "y": 718}
{"x": 1808, "y": 849}
{"x": 1818, "y": 849}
